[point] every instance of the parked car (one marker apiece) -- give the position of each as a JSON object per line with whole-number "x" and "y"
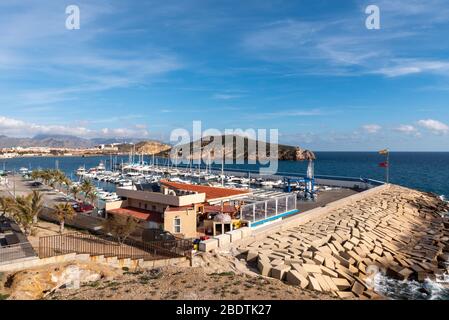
{"x": 36, "y": 184}
{"x": 149, "y": 235}
{"x": 82, "y": 207}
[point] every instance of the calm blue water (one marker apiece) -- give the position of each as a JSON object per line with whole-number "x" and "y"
{"x": 427, "y": 171}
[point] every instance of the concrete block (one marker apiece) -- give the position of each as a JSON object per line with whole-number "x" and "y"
{"x": 341, "y": 284}
{"x": 224, "y": 240}
{"x": 279, "y": 272}
{"x": 252, "y": 255}
{"x": 264, "y": 267}
{"x": 246, "y": 232}
{"x": 322, "y": 282}
{"x": 277, "y": 262}
{"x": 295, "y": 278}
{"x": 314, "y": 284}
{"x": 345, "y": 295}
{"x": 311, "y": 268}
{"x": 357, "y": 288}
{"x": 208, "y": 245}
{"x": 235, "y": 235}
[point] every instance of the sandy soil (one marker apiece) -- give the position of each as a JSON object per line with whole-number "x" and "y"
{"x": 181, "y": 283}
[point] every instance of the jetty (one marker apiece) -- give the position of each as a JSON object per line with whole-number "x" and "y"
{"x": 340, "y": 248}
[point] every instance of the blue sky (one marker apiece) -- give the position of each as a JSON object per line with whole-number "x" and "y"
{"x": 308, "y": 68}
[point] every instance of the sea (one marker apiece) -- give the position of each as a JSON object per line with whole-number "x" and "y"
{"x": 425, "y": 171}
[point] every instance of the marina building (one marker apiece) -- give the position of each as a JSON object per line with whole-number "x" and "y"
{"x": 178, "y": 208}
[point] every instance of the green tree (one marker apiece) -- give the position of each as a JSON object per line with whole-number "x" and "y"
{"x": 63, "y": 212}
{"x": 75, "y": 190}
{"x": 87, "y": 188}
{"x": 25, "y": 213}
{"x": 37, "y": 204}
{"x": 6, "y": 205}
{"x": 120, "y": 227}
{"x": 92, "y": 197}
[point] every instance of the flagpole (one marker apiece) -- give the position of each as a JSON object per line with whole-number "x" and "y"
{"x": 388, "y": 166}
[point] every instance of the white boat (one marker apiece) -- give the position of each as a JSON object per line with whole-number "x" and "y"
{"x": 24, "y": 171}
{"x": 101, "y": 167}
{"x": 81, "y": 171}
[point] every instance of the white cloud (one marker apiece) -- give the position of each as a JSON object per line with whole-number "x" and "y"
{"x": 14, "y": 127}
{"x": 344, "y": 47}
{"x": 408, "y": 130}
{"x": 407, "y": 67}
{"x": 371, "y": 128}
{"x": 435, "y": 126}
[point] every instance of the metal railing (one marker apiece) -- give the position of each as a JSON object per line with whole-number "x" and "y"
{"x": 269, "y": 208}
{"x": 16, "y": 252}
{"x": 108, "y": 246}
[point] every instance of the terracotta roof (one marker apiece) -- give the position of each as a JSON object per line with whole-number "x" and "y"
{"x": 211, "y": 192}
{"x": 140, "y": 214}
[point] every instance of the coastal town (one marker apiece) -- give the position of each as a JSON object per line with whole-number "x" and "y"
{"x": 307, "y": 236}
{"x": 211, "y": 159}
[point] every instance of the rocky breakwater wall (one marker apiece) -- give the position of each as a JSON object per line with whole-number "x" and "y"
{"x": 399, "y": 231}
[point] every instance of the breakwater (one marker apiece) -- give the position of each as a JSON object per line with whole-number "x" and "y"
{"x": 395, "y": 232}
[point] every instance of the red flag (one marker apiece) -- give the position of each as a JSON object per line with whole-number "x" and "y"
{"x": 383, "y": 164}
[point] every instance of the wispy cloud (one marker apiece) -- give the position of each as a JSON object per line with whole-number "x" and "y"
{"x": 412, "y": 66}
{"x": 371, "y": 128}
{"x": 226, "y": 96}
{"x": 15, "y": 127}
{"x": 35, "y": 43}
{"x": 346, "y": 47}
{"x": 408, "y": 130}
{"x": 434, "y": 126}
{"x": 290, "y": 113}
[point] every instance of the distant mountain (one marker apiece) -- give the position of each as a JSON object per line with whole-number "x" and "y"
{"x": 285, "y": 152}
{"x": 145, "y": 147}
{"x": 59, "y": 141}
{"x": 99, "y": 141}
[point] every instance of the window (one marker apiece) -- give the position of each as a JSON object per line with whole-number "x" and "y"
{"x": 146, "y": 206}
{"x": 177, "y": 225}
{"x": 154, "y": 208}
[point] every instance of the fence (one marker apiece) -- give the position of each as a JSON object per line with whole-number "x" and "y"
{"x": 16, "y": 251}
{"x": 109, "y": 247}
{"x": 262, "y": 210}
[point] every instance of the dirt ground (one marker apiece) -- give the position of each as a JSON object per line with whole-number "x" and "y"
{"x": 182, "y": 283}
{"x": 43, "y": 229}
{"x": 212, "y": 277}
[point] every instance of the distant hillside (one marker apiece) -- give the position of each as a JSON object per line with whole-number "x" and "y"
{"x": 145, "y": 147}
{"x": 59, "y": 141}
{"x": 51, "y": 141}
{"x": 285, "y": 152}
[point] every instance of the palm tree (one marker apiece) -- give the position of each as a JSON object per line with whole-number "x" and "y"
{"x": 24, "y": 213}
{"x": 36, "y": 174}
{"x": 37, "y": 204}
{"x": 75, "y": 190}
{"x": 88, "y": 188}
{"x": 63, "y": 212}
{"x": 66, "y": 182}
{"x": 46, "y": 175}
{"x": 92, "y": 197}
{"x": 6, "y": 205}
